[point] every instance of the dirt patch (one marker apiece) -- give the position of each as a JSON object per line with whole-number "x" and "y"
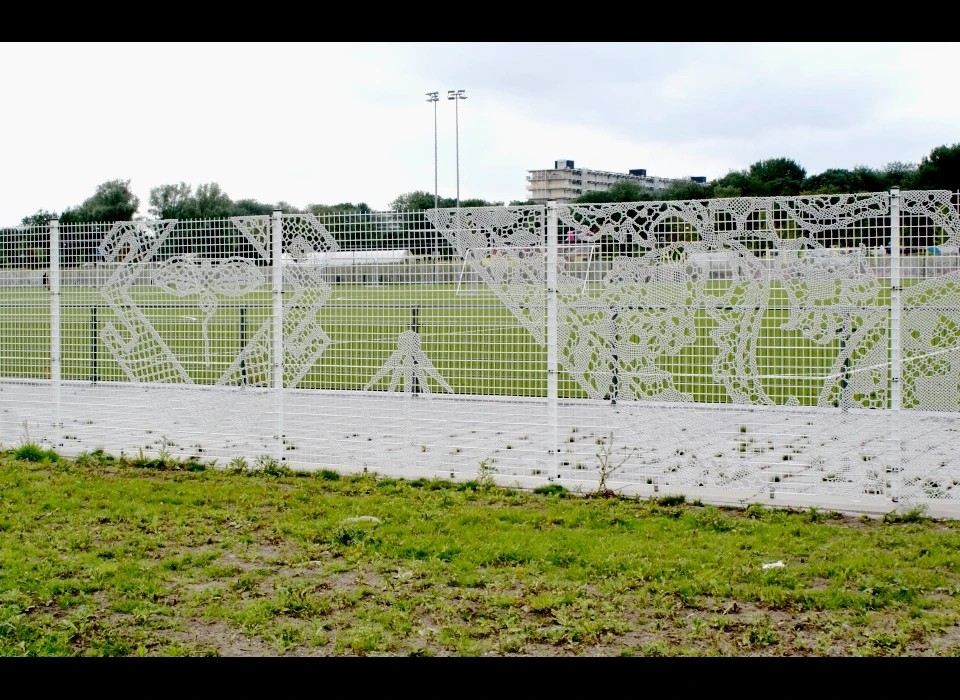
{"x": 233, "y": 560}
{"x": 220, "y": 637}
{"x": 951, "y": 636}
{"x": 205, "y": 585}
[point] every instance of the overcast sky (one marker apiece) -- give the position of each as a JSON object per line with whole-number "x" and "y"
{"x": 328, "y": 123}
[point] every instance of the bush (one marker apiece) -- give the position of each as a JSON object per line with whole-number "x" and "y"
{"x": 552, "y": 490}
{"x": 672, "y": 500}
{"x": 31, "y": 452}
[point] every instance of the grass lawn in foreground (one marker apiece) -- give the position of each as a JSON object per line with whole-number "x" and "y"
{"x": 108, "y": 556}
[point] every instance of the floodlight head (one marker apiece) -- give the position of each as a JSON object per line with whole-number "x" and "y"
{"x": 433, "y": 96}
{"x": 451, "y": 95}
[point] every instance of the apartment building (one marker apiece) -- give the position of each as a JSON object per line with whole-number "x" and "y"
{"x": 564, "y": 182}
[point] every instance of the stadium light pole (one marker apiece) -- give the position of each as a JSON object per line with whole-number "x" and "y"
{"x": 434, "y": 97}
{"x": 456, "y": 96}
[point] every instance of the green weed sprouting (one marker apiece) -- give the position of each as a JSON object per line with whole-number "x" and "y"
{"x": 32, "y": 452}
{"x": 552, "y": 490}
{"x": 916, "y": 514}
{"x": 265, "y": 464}
{"x": 238, "y": 465}
{"x": 485, "y": 474}
{"x": 672, "y": 500}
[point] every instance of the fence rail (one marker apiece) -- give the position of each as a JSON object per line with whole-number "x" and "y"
{"x": 807, "y": 346}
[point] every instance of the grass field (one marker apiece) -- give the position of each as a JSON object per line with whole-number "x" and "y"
{"x": 471, "y": 338}
{"x": 105, "y": 556}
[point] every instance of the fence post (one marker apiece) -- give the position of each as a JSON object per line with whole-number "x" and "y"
{"x": 94, "y": 345}
{"x": 415, "y": 327}
{"x": 552, "y": 388}
{"x": 277, "y": 239}
{"x": 243, "y": 345}
{"x": 893, "y": 434}
{"x": 55, "y": 349}
{"x": 614, "y": 365}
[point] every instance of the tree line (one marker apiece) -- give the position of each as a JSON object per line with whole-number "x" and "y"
{"x": 784, "y": 177}
{"x": 114, "y": 201}
{"x": 940, "y": 169}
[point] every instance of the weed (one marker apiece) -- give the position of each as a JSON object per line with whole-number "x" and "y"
{"x": 194, "y": 465}
{"x": 265, "y": 464}
{"x": 552, "y": 490}
{"x": 655, "y": 648}
{"x": 32, "y": 452}
{"x": 607, "y": 467}
{"x": 916, "y": 514}
{"x": 714, "y": 519}
{"x": 672, "y": 500}
{"x": 485, "y": 474}
{"x": 238, "y": 465}
{"x": 760, "y": 634}
{"x": 328, "y": 475}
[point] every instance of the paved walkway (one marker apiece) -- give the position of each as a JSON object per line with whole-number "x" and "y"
{"x": 721, "y": 453}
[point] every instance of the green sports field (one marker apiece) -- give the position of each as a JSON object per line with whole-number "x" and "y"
{"x": 469, "y": 336}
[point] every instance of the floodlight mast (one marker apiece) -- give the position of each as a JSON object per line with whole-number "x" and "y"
{"x": 434, "y": 97}
{"x": 456, "y": 96}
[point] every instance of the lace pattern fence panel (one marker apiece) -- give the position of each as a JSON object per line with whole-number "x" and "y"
{"x": 163, "y": 333}
{"x": 413, "y": 340}
{"x": 930, "y": 341}
{"x": 738, "y": 344}
{"x": 26, "y": 395}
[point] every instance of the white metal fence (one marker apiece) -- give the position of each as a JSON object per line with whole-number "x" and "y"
{"x": 806, "y": 345}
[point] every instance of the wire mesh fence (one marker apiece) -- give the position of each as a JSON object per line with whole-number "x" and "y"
{"x": 806, "y": 345}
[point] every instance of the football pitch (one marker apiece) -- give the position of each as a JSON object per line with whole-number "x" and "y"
{"x": 474, "y": 342}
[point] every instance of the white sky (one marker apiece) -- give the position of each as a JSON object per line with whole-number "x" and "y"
{"x": 328, "y": 123}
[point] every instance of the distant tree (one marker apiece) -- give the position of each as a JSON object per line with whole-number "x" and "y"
{"x": 250, "y": 207}
{"x": 685, "y": 190}
{"x": 419, "y": 200}
{"x": 899, "y": 174}
{"x": 778, "y": 177}
{"x": 623, "y": 191}
{"x": 209, "y": 201}
{"x": 172, "y": 202}
{"x": 113, "y": 201}
{"x": 830, "y": 181}
{"x": 30, "y": 248}
{"x": 319, "y": 209}
{"x": 477, "y": 202}
{"x": 212, "y": 202}
{"x": 867, "y": 179}
{"x": 726, "y": 192}
{"x": 940, "y": 170}
{"x": 739, "y": 181}
{"x": 287, "y": 208}
{"x": 41, "y": 218}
